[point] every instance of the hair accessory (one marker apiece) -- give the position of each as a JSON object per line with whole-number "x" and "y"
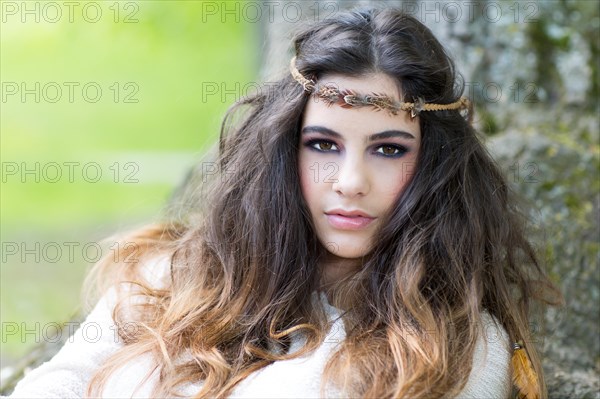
{"x": 348, "y": 98}
{"x": 524, "y": 376}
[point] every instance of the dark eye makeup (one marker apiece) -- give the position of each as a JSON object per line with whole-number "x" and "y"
{"x": 388, "y": 150}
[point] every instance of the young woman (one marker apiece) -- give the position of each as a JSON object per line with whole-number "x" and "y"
{"x": 357, "y": 240}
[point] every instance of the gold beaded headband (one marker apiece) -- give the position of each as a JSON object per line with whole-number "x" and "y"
{"x": 348, "y": 98}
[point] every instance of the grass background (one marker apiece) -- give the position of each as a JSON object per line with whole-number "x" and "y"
{"x": 167, "y": 52}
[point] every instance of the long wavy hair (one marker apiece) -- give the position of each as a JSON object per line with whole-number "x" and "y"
{"x": 245, "y": 257}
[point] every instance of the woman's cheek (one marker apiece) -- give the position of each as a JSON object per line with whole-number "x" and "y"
{"x": 306, "y": 183}
{"x": 408, "y": 170}
{"x": 402, "y": 177}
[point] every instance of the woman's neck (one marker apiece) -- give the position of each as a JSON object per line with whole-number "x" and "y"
{"x": 335, "y": 269}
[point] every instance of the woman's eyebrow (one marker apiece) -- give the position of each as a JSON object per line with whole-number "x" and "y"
{"x": 377, "y": 136}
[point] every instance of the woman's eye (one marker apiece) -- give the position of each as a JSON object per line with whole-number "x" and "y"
{"x": 321, "y": 145}
{"x": 389, "y": 150}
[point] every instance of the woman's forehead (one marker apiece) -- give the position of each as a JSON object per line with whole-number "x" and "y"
{"x": 352, "y": 122}
{"x": 366, "y": 120}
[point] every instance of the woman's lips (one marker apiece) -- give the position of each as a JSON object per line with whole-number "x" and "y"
{"x": 348, "y": 223}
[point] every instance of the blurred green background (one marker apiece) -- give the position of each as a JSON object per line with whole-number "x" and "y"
{"x": 153, "y": 62}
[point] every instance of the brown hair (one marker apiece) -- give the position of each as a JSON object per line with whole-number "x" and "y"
{"x": 246, "y": 257}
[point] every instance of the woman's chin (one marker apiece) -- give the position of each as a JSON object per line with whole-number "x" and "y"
{"x": 347, "y": 250}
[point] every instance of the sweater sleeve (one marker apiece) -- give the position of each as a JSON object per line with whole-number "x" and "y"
{"x": 490, "y": 375}
{"x": 68, "y": 373}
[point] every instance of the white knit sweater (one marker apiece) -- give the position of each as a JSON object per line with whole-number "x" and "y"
{"x": 66, "y": 375}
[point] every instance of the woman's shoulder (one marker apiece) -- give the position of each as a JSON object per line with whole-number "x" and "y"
{"x": 127, "y": 291}
{"x": 156, "y": 270}
{"x": 491, "y": 373}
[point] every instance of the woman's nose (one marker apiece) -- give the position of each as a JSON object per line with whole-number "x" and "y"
{"x": 351, "y": 178}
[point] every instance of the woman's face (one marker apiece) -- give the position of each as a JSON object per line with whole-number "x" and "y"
{"x": 357, "y": 161}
